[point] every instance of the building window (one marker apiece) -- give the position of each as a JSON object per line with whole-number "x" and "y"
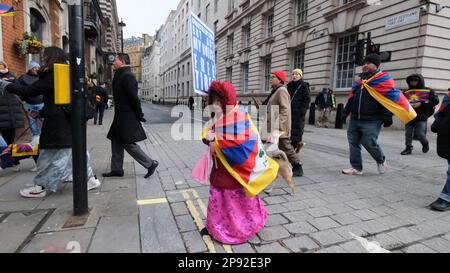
{"x": 345, "y": 66}
{"x": 246, "y": 35}
{"x": 187, "y": 88}
{"x": 267, "y": 72}
{"x": 182, "y": 71}
{"x": 269, "y": 25}
{"x": 245, "y": 74}
{"x": 229, "y": 74}
{"x": 299, "y": 58}
{"x": 230, "y": 6}
{"x": 188, "y": 68}
{"x": 215, "y": 26}
{"x": 302, "y": 11}
{"x": 346, "y": 1}
{"x": 37, "y": 23}
{"x": 216, "y": 6}
{"x": 199, "y": 4}
{"x": 230, "y": 42}
{"x": 206, "y": 13}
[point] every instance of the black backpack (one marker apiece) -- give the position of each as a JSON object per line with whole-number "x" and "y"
{"x": 90, "y": 107}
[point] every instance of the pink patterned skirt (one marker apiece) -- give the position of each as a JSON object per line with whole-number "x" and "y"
{"x": 233, "y": 218}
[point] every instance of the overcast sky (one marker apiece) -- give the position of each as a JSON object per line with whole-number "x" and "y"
{"x": 144, "y": 16}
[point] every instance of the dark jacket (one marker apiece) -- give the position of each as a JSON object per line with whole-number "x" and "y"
{"x": 27, "y": 80}
{"x": 10, "y": 107}
{"x": 364, "y": 107}
{"x": 103, "y": 94}
{"x": 126, "y": 126}
{"x": 56, "y": 129}
{"x": 300, "y": 101}
{"x": 442, "y": 127}
{"x": 426, "y": 110}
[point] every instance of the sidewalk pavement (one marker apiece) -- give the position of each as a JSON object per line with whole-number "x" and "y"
{"x": 166, "y": 212}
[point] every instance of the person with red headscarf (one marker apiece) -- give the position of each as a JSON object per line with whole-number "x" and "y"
{"x": 281, "y": 98}
{"x": 241, "y": 170}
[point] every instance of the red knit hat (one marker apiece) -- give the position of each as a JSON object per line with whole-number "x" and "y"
{"x": 280, "y": 75}
{"x": 225, "y": 91}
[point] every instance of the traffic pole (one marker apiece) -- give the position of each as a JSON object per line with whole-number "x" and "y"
{"x": 79, "y": 154}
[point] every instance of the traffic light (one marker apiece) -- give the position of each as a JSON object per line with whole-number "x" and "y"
{"x": 358, "y": 54}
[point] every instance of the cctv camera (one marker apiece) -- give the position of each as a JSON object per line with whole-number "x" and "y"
{"x": 424, "y": 9}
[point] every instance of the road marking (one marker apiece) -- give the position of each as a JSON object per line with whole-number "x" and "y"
{"x": 198, "y": 220}
{"x": 152, "y": 202}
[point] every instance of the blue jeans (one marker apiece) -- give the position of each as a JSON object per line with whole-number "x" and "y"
{"x": 35, "y": 131}
{"x": 445, "y": 195}
{"x": 365, "y": 133}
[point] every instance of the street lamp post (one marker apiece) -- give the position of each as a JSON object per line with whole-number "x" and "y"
{"x": 121, "y": 25}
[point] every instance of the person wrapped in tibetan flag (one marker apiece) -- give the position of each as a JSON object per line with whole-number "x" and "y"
{"x": 241, "y": 170}
{"x": 6, "y": 10}
{"x": 442, "y": 127}
{"x": 423, "y": 100}
{"x": 372, "y": 102}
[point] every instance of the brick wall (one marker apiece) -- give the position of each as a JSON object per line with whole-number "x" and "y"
{"x": 12, "y": 29}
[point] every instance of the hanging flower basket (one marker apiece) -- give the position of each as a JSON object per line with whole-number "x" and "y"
{"x": 28, "y": 45}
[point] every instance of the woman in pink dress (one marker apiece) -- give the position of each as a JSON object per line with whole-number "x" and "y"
{"x": 233, "y": 217}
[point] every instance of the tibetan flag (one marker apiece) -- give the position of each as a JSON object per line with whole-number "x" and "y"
{"x": 239, "y": 147}
{"x": 382, "y": 88}
{"x": 21, "y": 150}
{"x": 418, "y": 95}
{"x": 6, "y": 10}
{"x": 445, "y": 103}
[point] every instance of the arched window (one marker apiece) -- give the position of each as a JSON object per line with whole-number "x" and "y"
{"x": 37, "y": 23}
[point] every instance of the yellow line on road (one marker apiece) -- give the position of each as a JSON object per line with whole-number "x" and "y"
{"x": 152, "y": 202}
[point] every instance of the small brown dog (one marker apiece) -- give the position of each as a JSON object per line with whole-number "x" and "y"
{"x": 285, "y": 170}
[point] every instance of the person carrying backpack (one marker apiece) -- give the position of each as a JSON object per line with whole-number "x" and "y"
{"x": 101, "y": 103}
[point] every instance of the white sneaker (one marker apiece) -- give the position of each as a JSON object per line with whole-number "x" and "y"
{"x": 352, "y": 171}
{"x": 16, "y": 168}
{"x": 382, "y": 168}
{"x": 33, "y": 192}
{"x": 93, "y": 184}
{"x": 35, "y": 140}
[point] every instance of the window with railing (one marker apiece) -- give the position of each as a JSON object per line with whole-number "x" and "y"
{"x": 269, "y": 25}
{"x": 345, "y": 66}
{"x": 302, "y": 11}
{"x": 230, "y": 44}
{"x": 229, "y": 74}
{"x": 245, "y": 77}
{"x": 344, "y": 2}
{"x": 267, "y": 62}
{"x": 246, "y": 35}
{"x": 299, "y": 58}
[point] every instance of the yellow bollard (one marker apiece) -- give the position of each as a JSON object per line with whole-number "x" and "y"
{"x": 62, "y": 84}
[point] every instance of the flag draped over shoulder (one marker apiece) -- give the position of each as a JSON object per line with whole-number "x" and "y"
{"x": 418, "y": 95}
{"x": 6, "y": 10}
{"x": 382, "y": 88}
{"x": 445, "y": 103}
{"x": 239, "y": 147}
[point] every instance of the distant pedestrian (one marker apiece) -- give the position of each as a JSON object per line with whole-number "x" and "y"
{"x": 372, "y": 102}
{"x": 101, "y": 100}
{"x": 300, "y": 101}
{"x": 33, "y": 105}
{"x": 54, "y": 165}
{"x": 126, "y": 128}
{"x": 191, "y": 103}
{"x": 235, "y": 211}
{"x": 442, "y": 128}
{"x": 280, "y": 98}
{"x": 423, "y": 100}
{"x": 325, "y": 102}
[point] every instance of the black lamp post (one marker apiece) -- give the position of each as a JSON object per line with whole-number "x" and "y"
{"x": 121, "y": 25}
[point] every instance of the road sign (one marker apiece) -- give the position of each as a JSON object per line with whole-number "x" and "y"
{"x": 203, "y": 51}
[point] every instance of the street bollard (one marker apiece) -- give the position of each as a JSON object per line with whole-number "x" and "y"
{"x": 339, "y": 121}
{"x": 312, "y": 114}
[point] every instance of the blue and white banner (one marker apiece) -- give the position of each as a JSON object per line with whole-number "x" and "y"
{"x": 203, "y": 50}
